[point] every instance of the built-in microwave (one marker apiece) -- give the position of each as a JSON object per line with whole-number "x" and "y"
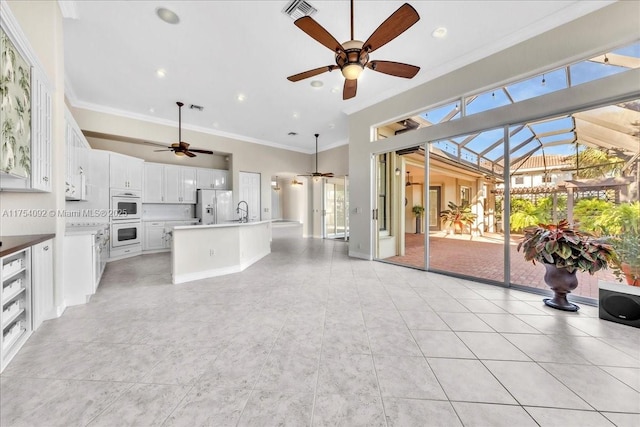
{"x": 126, "y": 233}
{"x": 126, "y": 205}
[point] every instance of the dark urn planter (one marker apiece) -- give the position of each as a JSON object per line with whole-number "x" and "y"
{"x": 418, "y": 225}
{"x": 561, "y": 283}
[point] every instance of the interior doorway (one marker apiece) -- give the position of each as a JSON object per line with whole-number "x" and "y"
{"x": 336, "y": 208}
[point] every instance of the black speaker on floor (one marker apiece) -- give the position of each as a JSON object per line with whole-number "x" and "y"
{"x": 620, "y": 303}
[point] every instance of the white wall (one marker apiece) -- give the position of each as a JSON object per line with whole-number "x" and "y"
{"x": 608, "y": 28}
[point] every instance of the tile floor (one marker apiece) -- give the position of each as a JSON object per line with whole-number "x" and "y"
{"x": 308, "y": 336}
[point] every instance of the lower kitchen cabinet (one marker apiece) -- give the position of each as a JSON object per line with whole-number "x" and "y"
{"x": 158, "y": 234}
{"x": 15, "y": 299}
{"x": 43, "y": 305}
{"x": 155, "y": 237}
{"x": 79, "y": 269}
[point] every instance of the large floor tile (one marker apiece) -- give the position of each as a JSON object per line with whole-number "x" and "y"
{"x": 442, "y": 344}
{"x": 597, "y": 387}
{"x": 34, "y": 402}
{"x": 532, "y": 385}
{"x": 393, "y": 341}
{"x": 623, "y": 420}
{"x": 484, "y": 414}
{"x": 491, "y": 346}
{"x": 206, "y": 405}
{"x": 142, "y": 404}
{"x": 552, "y": 417}
{"x": 507, "y": 323}
{"x": 359, "y": 410}
{"x": 415, "y": 412}
{"x": 277, "y": 409}
{"x": 347, "y": 374}
{"x": 427, "y": 320}
{"x": 542, "y": 348}
{"x": 598, "y": 352}
{"x": 289, "y": 372}
{"x": 408, "y": 377}
{"x": 467, "y": 322}
{"x": 469, "y": 380}
{"x": 629, "y": 376}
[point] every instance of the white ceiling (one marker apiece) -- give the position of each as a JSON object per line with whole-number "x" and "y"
{"x": 221, "y": 49}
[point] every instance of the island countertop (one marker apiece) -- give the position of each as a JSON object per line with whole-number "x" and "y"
{"x": 203, "y": 251}
{"x": 224, "y": 224}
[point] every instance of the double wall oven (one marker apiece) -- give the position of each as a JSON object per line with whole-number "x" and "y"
{"x": 126, "y": 222}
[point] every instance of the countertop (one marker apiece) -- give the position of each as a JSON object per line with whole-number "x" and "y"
{"x": 12, "y": 244}
{"x": 193, "y": 220}
{"x": 85, "y": 229}
{"x": 226, "y": 224}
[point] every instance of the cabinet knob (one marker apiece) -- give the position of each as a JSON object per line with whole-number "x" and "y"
{"x": 45, "y": 178}
{"x": 46, "y": 248}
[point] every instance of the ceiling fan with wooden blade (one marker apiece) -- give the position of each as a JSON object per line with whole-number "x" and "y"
{"x": 317, "y": 174}
{"x": 181, "y": 148}
{"x": 353, "y": 56}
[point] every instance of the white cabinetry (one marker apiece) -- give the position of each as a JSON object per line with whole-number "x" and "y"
{"x": 169, "y": 184}
{"x": 125, "y": 172}
{"x": 216, "y": 179}
{"x": 179, "y": 184}
{"x": 15, "y": 298}
{"x": 77, "y": 149}
{"x": 40, "y": 134}
{"x": 43, "y": 306}
{"x": 155, "y": 237}
{"x": 249, "y": 191}
{"x": 79, "y": 268}
{"x": 153, "y": 183}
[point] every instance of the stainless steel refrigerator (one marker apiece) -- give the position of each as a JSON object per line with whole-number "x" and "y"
{"x": 214, "y": 206}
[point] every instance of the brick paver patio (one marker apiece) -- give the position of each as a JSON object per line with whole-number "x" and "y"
{"x": 482, "y": 257}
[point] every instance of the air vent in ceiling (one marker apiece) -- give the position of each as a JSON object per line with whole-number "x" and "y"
{"x": 196, "y": 107}
{"x": 299, "y": 8}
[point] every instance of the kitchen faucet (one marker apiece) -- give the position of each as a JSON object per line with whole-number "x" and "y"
{"x": 244, "y": 216}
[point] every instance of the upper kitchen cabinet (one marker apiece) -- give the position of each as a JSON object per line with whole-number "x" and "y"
{"x": 216, "y": 179}
{"x": 25, "y": 114}
{"x": 125, "y": 172}
{"x": 77, "y": 148}
{"x": 179, "y": 184}
{"x": 153, "y": 183}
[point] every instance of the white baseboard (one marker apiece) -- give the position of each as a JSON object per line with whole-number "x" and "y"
{"x": 360, "y": 255}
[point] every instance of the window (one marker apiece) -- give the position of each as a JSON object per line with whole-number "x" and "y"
{"x": 465, "y": 195}
{"x": 519, "y": 180}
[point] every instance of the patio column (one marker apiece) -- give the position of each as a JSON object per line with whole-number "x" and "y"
{"x": 570, "y": 204}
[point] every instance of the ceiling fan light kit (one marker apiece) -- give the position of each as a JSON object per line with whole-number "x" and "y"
{"x": 353, "y": 56}
{"x": 181, "y": 148}
{"x": 317, "y": 175}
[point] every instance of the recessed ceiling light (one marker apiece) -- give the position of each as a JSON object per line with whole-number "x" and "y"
{"x": 335, "y": 90}
{"x": 295, "y": 115}
{"x": 241, "y": 97}
{"x": 216, "y": 124}
{"x": 152, "y": 110}
{"x": 167, "y": 15}
{"x": 439, "y": 32}
{"x": 317, "y": 83}
{"x": 331, "y": 126}
{"x": 161, "y": 72}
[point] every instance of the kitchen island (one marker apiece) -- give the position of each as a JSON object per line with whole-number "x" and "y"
{"x": 202, "y": 251}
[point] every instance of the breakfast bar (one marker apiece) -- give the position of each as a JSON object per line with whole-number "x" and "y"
{"x": 202, "y": 251}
